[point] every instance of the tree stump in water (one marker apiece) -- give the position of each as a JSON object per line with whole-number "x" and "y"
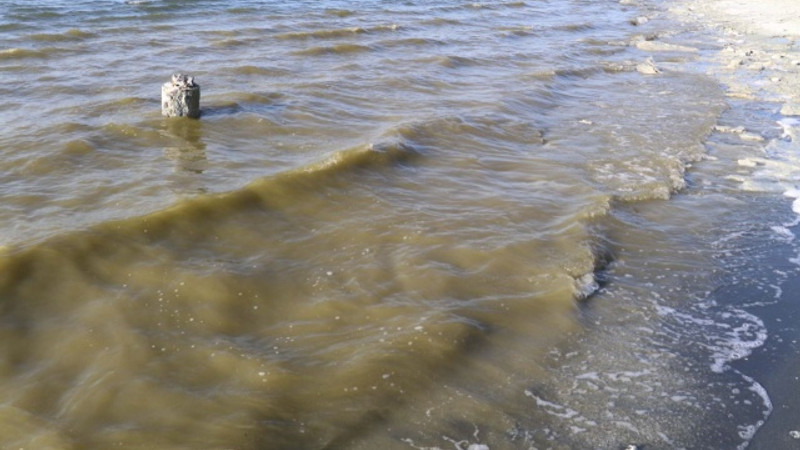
{"x": 180, "y": 97}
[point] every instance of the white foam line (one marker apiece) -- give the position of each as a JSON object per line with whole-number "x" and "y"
{"x": 738, "y": 346}
{"x": 747, "y": 432}
{"x": 789, "y": 126}
{"x": 784, "y": 233}
{"x": 794, "y": 193}
{"x": 552, "y": 408}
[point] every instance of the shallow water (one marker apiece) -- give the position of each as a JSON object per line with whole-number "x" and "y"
{"x": 396, "y": 225}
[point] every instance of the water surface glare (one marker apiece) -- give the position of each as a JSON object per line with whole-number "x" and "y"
{"x": 396, "y": 225}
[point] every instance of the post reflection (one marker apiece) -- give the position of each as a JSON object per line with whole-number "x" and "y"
{"x": 188, "y": 155}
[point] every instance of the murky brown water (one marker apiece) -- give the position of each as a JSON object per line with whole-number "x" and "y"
{"x": 382, "y": 232}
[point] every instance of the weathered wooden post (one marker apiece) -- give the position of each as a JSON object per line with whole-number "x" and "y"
{"x": 180, "y": 97}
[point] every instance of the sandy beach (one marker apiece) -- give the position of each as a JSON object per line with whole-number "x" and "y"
{"x": 759, "y": 61}
{"x": 776, "y": 18}
{"x": 760, "y": 57}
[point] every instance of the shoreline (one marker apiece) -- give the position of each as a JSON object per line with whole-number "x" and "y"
{"x": 759, "y": 61}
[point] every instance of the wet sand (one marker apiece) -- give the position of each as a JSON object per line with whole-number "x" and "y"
{"x": 776, "y": 365}
{"x": 760, "y": 60}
